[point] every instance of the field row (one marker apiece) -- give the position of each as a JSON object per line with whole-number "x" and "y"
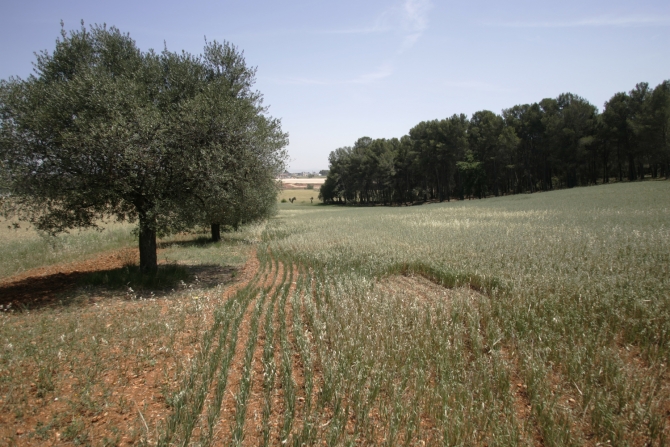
{"x": 300, "y": 356}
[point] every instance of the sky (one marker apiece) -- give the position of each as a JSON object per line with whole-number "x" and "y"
{"x": 335, "y": 71}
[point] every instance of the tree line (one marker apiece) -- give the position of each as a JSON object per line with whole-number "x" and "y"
{"x": 555, "y": 143}
{"x": 170, "y": 140}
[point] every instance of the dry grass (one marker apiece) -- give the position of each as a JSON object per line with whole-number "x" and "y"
{"x": 302, "y": 196}
{"x": 22, "y": 248}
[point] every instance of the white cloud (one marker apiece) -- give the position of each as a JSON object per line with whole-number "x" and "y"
{"x": 414, "y": 22}
{"x": 382, "y": 72}
{"x": 409, "y": 19}
{"x": 591, "y": 22}
{"x": 415, "y": 14}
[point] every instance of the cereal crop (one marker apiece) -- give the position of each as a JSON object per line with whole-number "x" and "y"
{"x": 538, "y": 319}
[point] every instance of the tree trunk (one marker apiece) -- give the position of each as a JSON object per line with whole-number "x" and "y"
{"x": 148, "y": 258}
{"x": 447, "y": 185}
{"x": 216, "y": 232}
{"x": 606, "y": 174}
{"x": 631, "y": 168}
{"x": 618, "y": 157}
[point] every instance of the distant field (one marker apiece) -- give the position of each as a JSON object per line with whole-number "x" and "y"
{"x": 304, "y": 181}
{"x": 537, "y": 319}
{"x": 302, "y": 196}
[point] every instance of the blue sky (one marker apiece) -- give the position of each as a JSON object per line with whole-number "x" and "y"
{"x": 337, "y": 71}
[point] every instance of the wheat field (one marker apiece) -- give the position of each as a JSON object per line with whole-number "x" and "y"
{"x": 538, "y": 319}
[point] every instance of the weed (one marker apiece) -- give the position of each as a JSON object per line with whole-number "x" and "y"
{"x": 76, "y": 432}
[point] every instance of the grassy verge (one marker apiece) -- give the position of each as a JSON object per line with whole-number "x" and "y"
{"x": 24, "y": 249}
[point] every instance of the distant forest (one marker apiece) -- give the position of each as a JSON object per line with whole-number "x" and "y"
{"x": 556, "y": 143}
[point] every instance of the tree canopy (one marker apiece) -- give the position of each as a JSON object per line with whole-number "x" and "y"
{"x": 170, "y": 140}
{"x": 555, "y": 143}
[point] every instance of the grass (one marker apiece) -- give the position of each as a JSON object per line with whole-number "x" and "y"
{"x": 573, "y": 302}
{"x": 537, "y": 319}
{"x": 23, "y": 248}
{"x": 100, "y": 369}
{"x": 232, "y": 250}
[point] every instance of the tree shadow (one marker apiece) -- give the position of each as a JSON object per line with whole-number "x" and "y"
{"x": 203, "y": 241}
{"x": 37, "y": 291}
{"x": 78, "y": 288}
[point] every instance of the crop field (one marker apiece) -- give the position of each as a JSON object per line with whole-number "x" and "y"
{"x": 538, "y": 319}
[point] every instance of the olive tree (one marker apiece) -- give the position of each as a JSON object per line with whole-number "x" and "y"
{"x": 237, "y": 183}
{"x": 103, "y": 129}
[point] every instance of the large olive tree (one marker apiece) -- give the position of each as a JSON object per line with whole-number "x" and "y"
{"x": 103, "y": 129}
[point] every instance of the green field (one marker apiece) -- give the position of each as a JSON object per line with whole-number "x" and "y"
{"x": 538, "y": 319}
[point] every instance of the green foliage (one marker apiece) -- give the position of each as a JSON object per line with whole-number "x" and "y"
{"x": 473, "y": 175}
{"x": 103, "y": 129}
{"x": 556, "y": 143}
